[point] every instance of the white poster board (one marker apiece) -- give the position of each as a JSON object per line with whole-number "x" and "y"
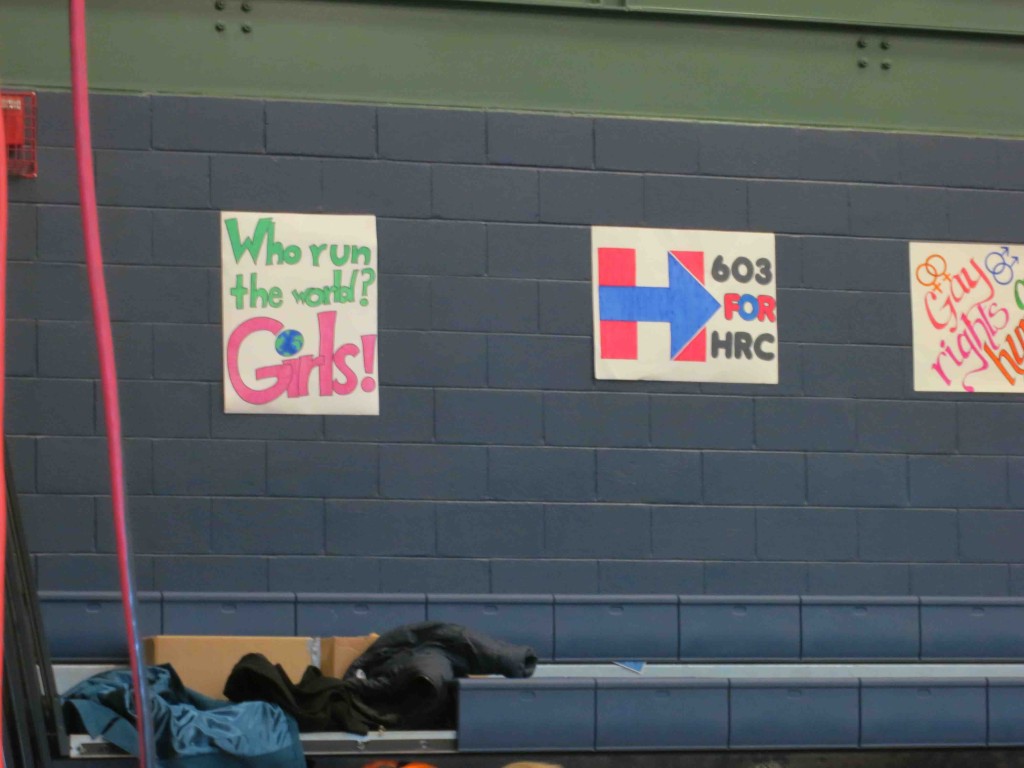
{"x": 967, "y": 307}
{"x": 684, "y": 305}
{"x": 299, "y": 295}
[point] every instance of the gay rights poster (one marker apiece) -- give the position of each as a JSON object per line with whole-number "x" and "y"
{"x": 967, "y": 306}
{"x": 299, "y": 295}
{"x": 684, "y": 305}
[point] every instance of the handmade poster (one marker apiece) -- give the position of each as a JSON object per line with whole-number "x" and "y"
{"x": 967, "y": 308}
{"x": 299, "y": 295}
{"x": 684, "y": 305}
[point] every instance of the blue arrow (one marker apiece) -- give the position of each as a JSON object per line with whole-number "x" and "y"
{"x": 685, "y": 305}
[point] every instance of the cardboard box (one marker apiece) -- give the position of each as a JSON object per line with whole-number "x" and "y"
{"x": 338, "y": 653}
{"x": 203, "y": 662}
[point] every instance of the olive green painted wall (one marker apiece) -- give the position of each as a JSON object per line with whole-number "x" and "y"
{"x": 656, "y": 58}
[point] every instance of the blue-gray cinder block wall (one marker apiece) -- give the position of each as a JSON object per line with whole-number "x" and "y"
{"x": 498, "y": 462}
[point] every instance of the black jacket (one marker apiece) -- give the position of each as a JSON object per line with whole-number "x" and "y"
{"x": 404, "y": 680}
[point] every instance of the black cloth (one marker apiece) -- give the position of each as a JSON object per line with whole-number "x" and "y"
{"x": 404, "y": 680}
{"x": 411, "y": 671}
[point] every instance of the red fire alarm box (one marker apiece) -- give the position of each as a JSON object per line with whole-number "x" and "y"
{"x": 19, "y": 115}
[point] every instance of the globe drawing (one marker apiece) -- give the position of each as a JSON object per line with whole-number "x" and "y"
{"x": 288, "y": 343}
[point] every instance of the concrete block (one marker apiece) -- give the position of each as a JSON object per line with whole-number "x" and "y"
{"x": 58, "y": 523}
{"x": 380, "y": 188}
{"x": 490, "y": 530}
{"x": 21, "y": 232}
{"x": 161, "y": 525}
{"x": 703, "y": 533}
{"x": 576, "y": 197}
{"x": 702, "y": 422}
{"x": 799, "y": 207}
{"x": 49, "y": 407}
{"x": 634, "y": 577}
{"x": 870, "y": 480}
{"x": 657, "y": 477}
{"x": 433, "y": 472}
{"x": 596, "y": 419}
{"x": 188, "y": 352}
{"x": 434, "y": 359}
{"x": 405, "y": 303}
{"x": 657, "y": 146}
{"x": 754, "y": 478}
{"x": 126, "y": 234}
{"x": 540, "y": 362}
{"x": 566, "y": 308}
{"x": 374, "y": 527}
{"x": 69, "y": 350}
{"x": 483, "y": 304}
{"x": 949, "y": 161}
{"x": 186, "y": 238}
{"x": 321, "y": 469}
{"x": 57, "y": 181}
{"x": 163, "y": 409}
{"x": 22, "y": 349}
{"x": 810, "y": 424}
{"x": 79, "y": 465}
{"x": 435, "y": 575}
{"x": 406, "y": 416}
{"x": 432, "y": 135}
{"x": 983, "y": 216}
{"x": 48, "y": 292}
{"x": 988, "y": 428}
{"x": 848, "y": 370}
{"x": 152, "y": 179}
{"x": 326, "y": 130}
{"x": 854, "y": 264}
{"x": 958, "y": 481}
{"x": 489, "y": 417}
{"x": 322, "y": 574}
{"x": 592, "y": 530}
{"x": 903, "y": 427}
{"x": 22, "y": 451}
{"x": 207, "y": 124}
{"x": 955, "y": 580}
{"x": 807, "y": 534}
{"x": 858, "y": 579}
{"x": 485, "y": 194}
{"x": 739, "y": 578}
{"x": 908, "y": 535}
{"x": 535, "y": 576}
{"x": 790, "y": 381}
{"x": 86, "y": 573}
{"x": 824, "y": 317}
{"x": 538, "y": 251}
{"x": 900, "y": 212}
{"x": 181, "y": 298}
{"x": 267, "y": 526}
{"x": 748, "y": 150}
{"x": 432, "y": 247}
{"x": 848, "y": 156}
{"x": 261, "y": 183}
{"x": 542, "y": 474}
{"x": 988, "y": 536}
{"x": 214, "y": 467}
{"x": 547, "y": 140}
{"x": 211, "y": 574}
